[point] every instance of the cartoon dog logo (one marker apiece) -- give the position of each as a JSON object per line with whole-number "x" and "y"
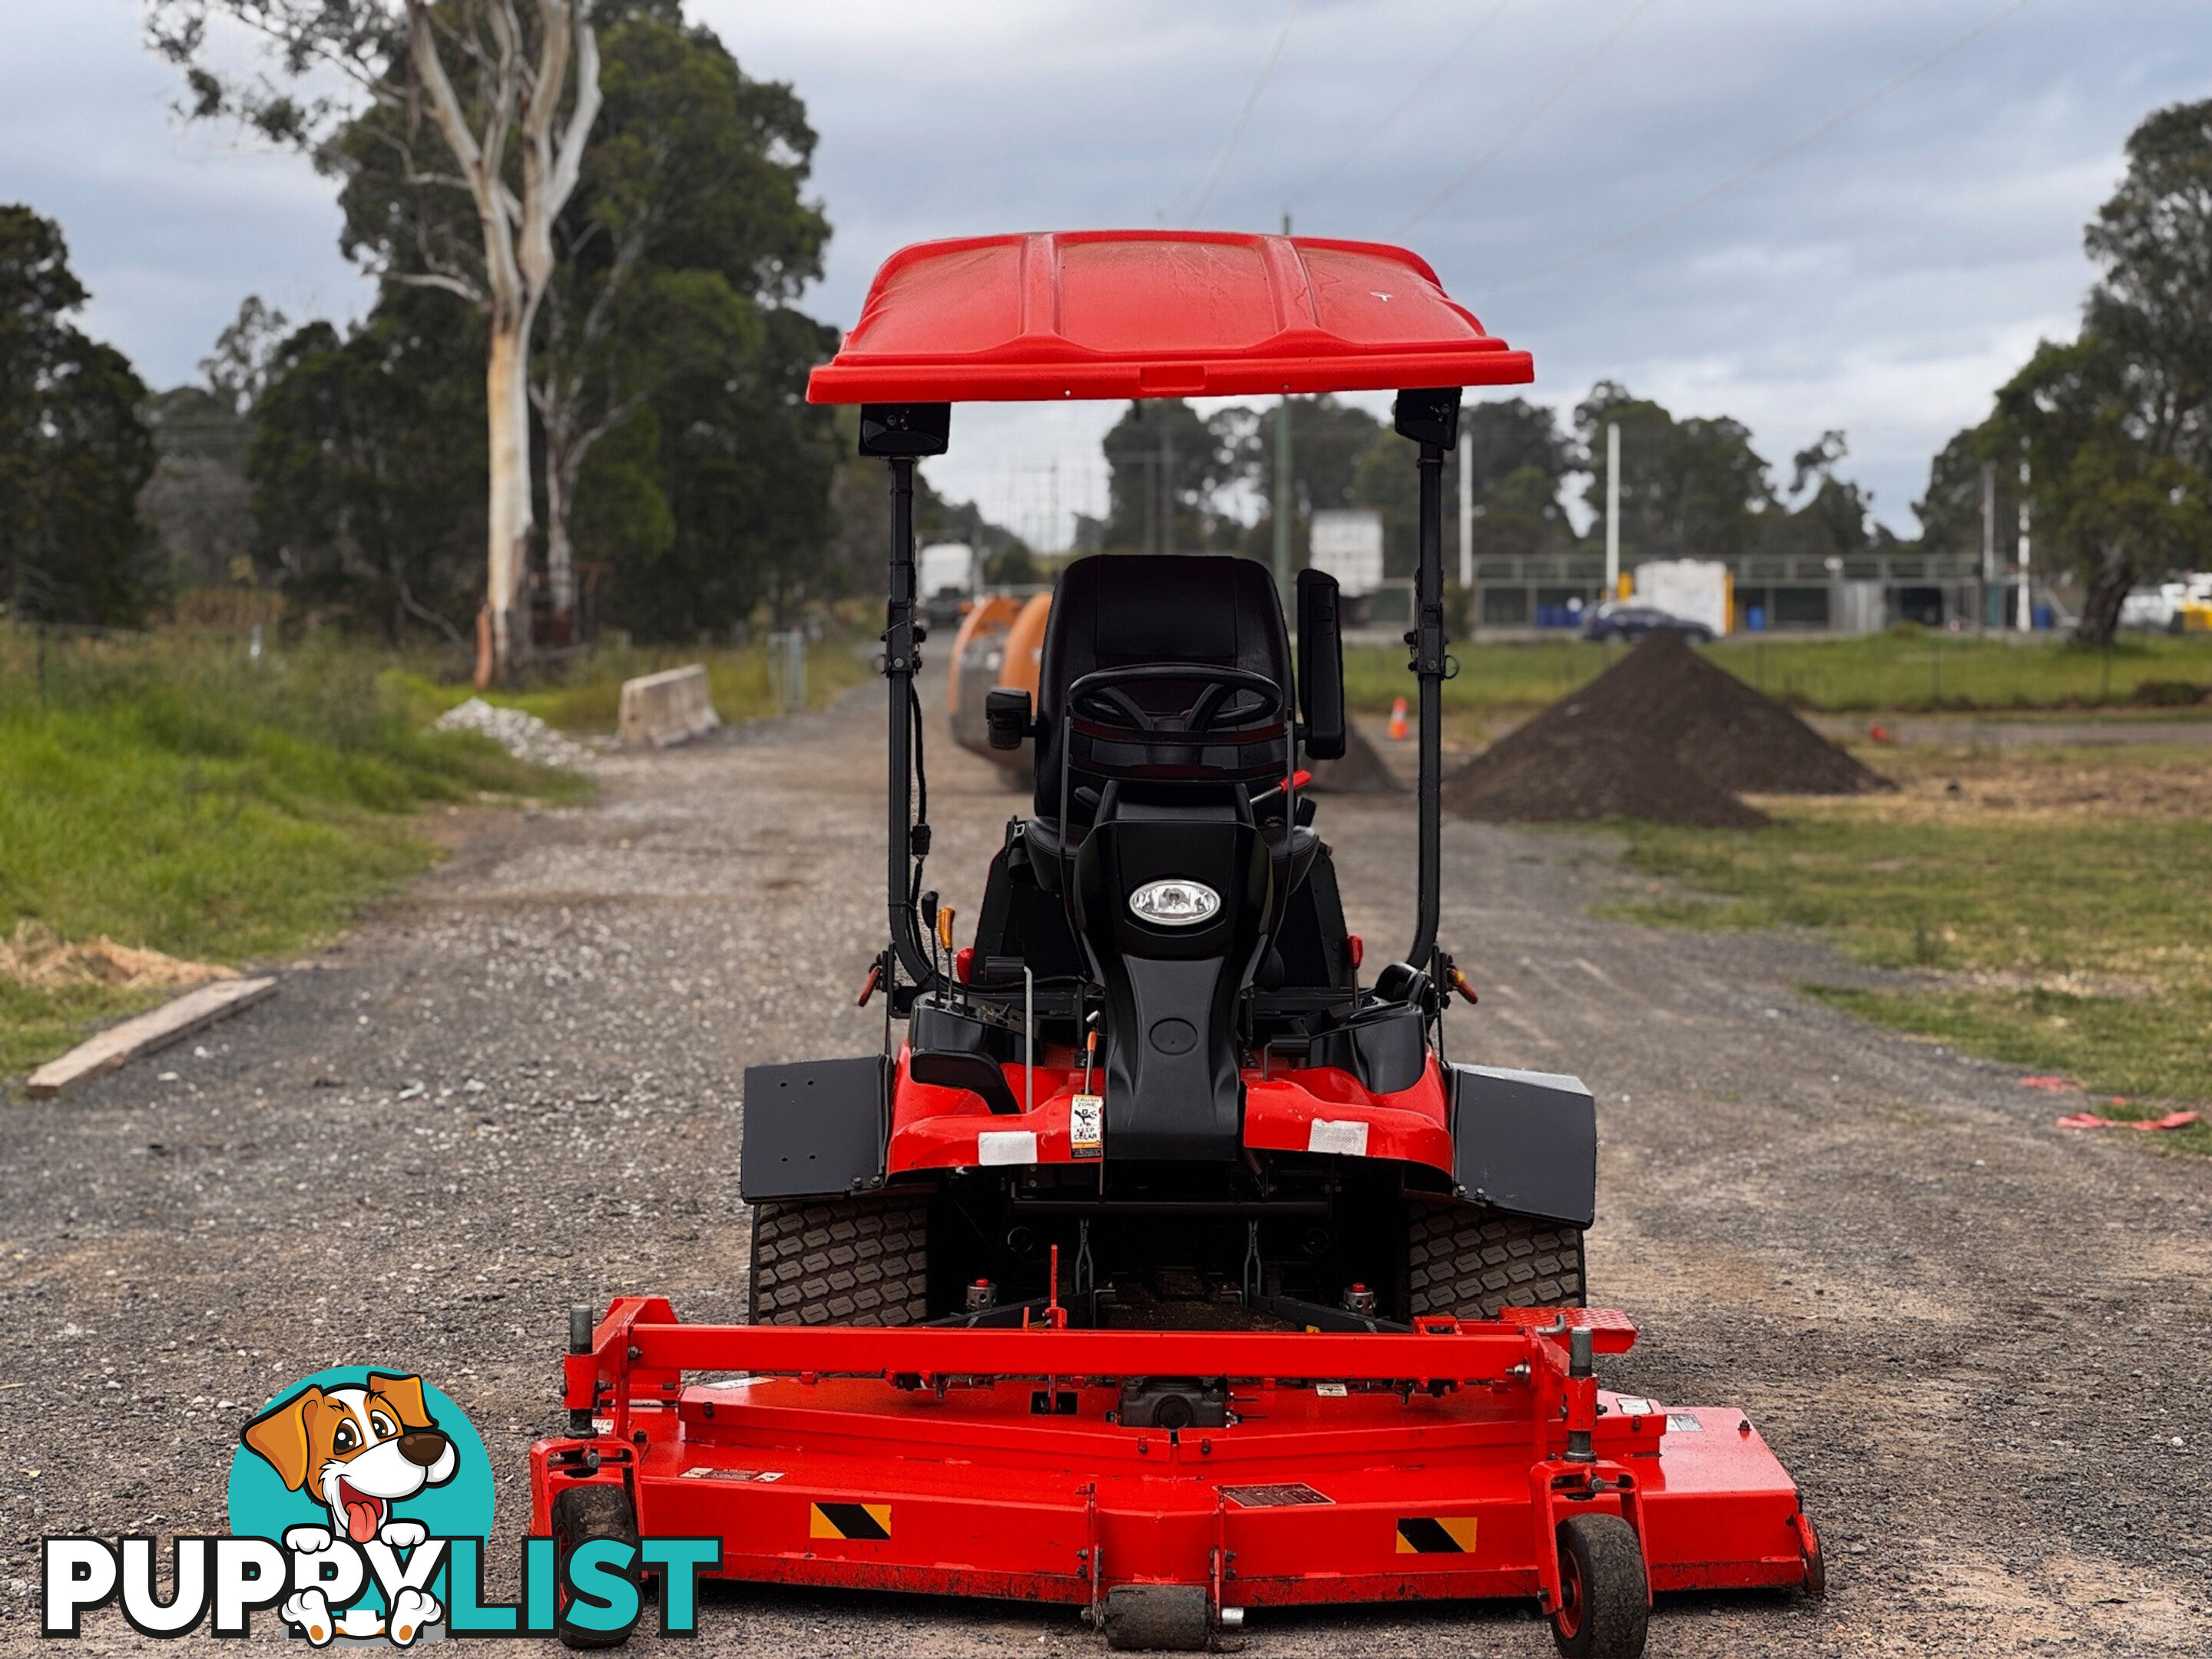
{"x": 358, "y": 1451}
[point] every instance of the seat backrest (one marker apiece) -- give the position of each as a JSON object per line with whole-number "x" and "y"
{"x": 1120, "y": 610}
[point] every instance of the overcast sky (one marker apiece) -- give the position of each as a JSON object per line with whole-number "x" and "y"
{"x": 1882, "y": 279}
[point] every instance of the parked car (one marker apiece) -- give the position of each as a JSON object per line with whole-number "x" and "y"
{"x": 1632, "y": 622}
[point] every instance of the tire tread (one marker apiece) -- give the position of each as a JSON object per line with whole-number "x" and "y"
{"x": 1469, "y": 1260}
{"x": 862, "y": 1260}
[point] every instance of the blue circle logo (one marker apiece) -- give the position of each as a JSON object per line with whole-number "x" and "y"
{"x": 373, "y": 1458}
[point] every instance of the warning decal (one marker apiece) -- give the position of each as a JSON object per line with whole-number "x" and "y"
{"x": 855, "y": 1523}
{"x": 1435, "y": 1534}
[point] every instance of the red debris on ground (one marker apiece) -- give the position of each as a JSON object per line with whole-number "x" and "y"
{"x": 2091, "y": 1121}
{"x": 2051, "y": 1081}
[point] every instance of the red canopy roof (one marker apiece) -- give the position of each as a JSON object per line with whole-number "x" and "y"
{"x": 1144, "y": 313}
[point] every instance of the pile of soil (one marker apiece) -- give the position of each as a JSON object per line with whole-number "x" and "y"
{"x": 1360, "y": 771}
{"x": 1663, "y": 735}
{"x": 2170, "y": 694}
{"x": 1583, "y": 771}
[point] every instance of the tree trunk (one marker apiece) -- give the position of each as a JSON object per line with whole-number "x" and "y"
{"x": 564, "y": 460}
{"x": 559, "y": 554}
{"x": 2105, "y": 590}
{"x": 510, "y": 519}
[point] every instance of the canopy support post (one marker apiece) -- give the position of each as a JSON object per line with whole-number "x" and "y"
{"x": 901, "y": 433}
{"x": 1430, "y": 418}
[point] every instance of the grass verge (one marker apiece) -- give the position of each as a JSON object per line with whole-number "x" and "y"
{"x": 2048, "y": 901}
{"x": 1501, "y": 683}
{"x": 170, "y": 794}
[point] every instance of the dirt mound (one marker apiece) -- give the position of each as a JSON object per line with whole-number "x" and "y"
{"x": 1662, "y": 735}
{"x": 1713, "y": 723}
{"x": 1361, "y": 771}
{"x": 1584, "y": 771}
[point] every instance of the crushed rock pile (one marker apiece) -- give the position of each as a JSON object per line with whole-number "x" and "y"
{"x": 1663, "y": 735}
{"x": 38, "y": 957}
{"x": 522, "y": 735}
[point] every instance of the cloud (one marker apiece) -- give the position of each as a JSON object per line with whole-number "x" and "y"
{"x": 169, "y": 227}
{"x": 1885, "y": 281}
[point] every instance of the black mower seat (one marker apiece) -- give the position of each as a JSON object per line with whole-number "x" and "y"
{"x": 1156, "y": 611}
{"x": 1138, "y": 611}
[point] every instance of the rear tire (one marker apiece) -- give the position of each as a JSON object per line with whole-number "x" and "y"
{"x": 1605, "y": 1600}
{"x": 859, "y": 1260}
{"x": 1469, "y": 1260}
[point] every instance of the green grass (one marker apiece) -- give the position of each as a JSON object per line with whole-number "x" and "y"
{"x": 168, "y": 794}
{"x": 588, "y": 697}
{"x": 1914, "y": 669}
{"x": 2073, "y": 941}
{"x": 1904, "y": 670}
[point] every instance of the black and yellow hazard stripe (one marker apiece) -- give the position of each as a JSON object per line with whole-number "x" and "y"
{"x": 854, "y": 1522}
{"x": 1435, "y": 1534}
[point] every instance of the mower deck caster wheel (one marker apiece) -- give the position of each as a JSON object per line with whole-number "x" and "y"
{"x": 581, "y": 1515}
{"x": 1171, "y": 1618}
{"x": 1816, "y": 1561}
{"x": 1605, "y": 1600}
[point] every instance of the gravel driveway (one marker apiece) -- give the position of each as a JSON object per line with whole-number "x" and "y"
{"x": 1980, "y": 1343}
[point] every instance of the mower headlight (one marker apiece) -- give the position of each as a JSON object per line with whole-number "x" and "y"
{"x": 1174, "y": 903}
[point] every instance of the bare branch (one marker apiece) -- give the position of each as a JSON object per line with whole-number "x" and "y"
{"x": 568, "y": 167}
{"x": 504, "y": 279}
{"x": 422, "y": 613}
{"x": 436, "y": 279}
{"x": 445, "y": 104}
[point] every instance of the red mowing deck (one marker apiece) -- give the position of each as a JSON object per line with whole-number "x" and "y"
{"x": 1387, "y": 1484}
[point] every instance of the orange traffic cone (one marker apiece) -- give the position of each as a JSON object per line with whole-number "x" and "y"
{"x": 1398, "y": 732}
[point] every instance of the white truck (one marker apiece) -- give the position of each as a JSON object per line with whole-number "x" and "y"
{"x": 2169, "y": 606}
{"x": 1696, "y": 590}
{"x": 944, "y": 581}
{"x": 1348, "y": 543}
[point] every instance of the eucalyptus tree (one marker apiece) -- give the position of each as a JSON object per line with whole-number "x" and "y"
{"x": 486, "y": 103}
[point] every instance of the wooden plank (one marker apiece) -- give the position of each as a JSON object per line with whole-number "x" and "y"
{"x": 142, "y": 1035}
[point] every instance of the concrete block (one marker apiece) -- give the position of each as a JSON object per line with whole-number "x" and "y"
{"x": 671, "y": 707}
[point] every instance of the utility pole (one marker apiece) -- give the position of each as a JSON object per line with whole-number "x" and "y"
{"x": 1613, "y": 510}
{"x": 1467, "y": 505}
{"x": 2026, "y": 609}
{"x": 1167, "y": 483}
{"x": 1989, "y": 541}
{"x": 1283, "y": 494}
{"x": 1149, "y": 468}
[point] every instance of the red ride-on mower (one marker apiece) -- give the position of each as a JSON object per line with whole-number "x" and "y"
{"x": 1165, "y": 1268}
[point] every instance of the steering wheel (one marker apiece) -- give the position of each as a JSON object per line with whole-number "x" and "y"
{"x": 1102, "y": 696}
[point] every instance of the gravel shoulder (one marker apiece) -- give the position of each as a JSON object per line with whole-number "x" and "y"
{"x": 1977, "y": 1340}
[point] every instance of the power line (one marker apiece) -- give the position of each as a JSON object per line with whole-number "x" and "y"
{"x": 1681, "y": 208}
{"x": 1559, "y": 90}
{"x": 1347, "y": 157}
{"x": 1251, "y": 97}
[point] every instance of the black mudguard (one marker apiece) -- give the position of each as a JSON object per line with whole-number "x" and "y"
{"x": 816, "y": 1128}
{"x": 1526, "y": 1142}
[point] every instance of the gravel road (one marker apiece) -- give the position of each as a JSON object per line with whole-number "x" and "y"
{"x": 1980, "y": 1342}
